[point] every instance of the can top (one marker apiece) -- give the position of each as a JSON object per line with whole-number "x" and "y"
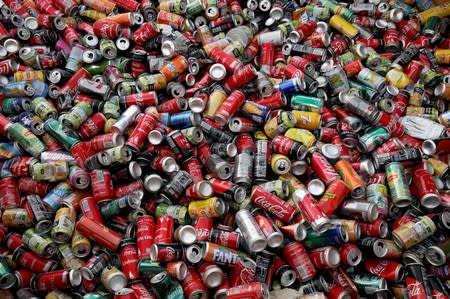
{"x": 75, "y": 277}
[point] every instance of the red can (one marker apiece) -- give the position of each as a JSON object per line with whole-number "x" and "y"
{"x": 275, "y": 101}
{"x": 99, "y": 233}
{"x": 324, "y": 170}
{"x": 426, "y": 188}
{"x": 60, "y": 279}
{"x": 142, "y": 100}
{"x": 203, "y": 227}
{"x": 413, "y": 70}
{"x": 101, "y": 142}
{"x": 353, "y": 68}
{"x": 392, "y": 145}
{"x": 165, "y": 226}
{"x": 338, "y": 46}
{"x": 125, "y": 293}
{"x": 71, "y": 86}
{"x": 81, "y": 152}
{"x": 140, "y": 133}
{"x": 194, "y": 168}
{"x": 21, "y": 166}
{"x": 254, "y": 290}
{"x": 127, "y": 5}
{"x": 229, "y": 107}
{"x": 145, "y": 235}
{"x": 297, "y": 257}
{"x": 23, "y": 277}
{"x": 333, "y": 197}
{"x": 142, "y": 292}
{"x": 125, "y": 189}
{"x": 272, "y": 204}
{"x": 8, "y": 67}
{"x": 9, "y": 193}
{"x": 242, "y": 76}
{"x": 267, "y": 54}
{"x": 146, "y": 32}
{"x": 244, "y": 272}
{"x": 245, "y": 144}
{"x": 416, "y": 290}
{"x": 129, "y": 259}
{"x": 210, "y": 274}
{"x": 32, "y": 261}
{"x": 306, "y": 29}
{"x": 92, "y": 126}
{"x": 342, "y": 279}
{"x": 193, "y": 286}
{"x": 90, "y": 209}
{"x": 389, "y": 270}
{"x": 350, "y": 254}
{"x": 229, "y": 62}
{"x": 337, "y": 292}
{"x": 379, "y": 228}
{"x": 107, "y": 29}
{"x": 102, "y": 186}
{"x": 225, "y": 238}
{"x": 391, "y": 124}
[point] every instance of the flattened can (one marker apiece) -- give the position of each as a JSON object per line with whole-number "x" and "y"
{"x": 398, "y": 185}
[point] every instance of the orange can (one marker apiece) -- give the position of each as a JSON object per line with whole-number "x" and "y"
{"x": 351, "y": 178}
{"x": 174, "y": 68}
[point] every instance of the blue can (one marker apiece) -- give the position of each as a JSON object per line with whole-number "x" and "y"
{"x": 40, "y": 88}
{"x": 18, "y": 89}
{"x": 334, "y": 236}
{"x": 185, "y": 120}
{"x": 257, "y": 113}
{"x": 290, "y": 86}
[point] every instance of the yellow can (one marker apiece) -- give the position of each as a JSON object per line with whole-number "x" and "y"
{"x": 29, "y": 76}
{"x": 292, "y": 182}
{"x": 216, "y": 99}
{"x": 439, "y": 11}
{"x": 440, "y": 168}
{"x": 442, "y": 56}
{"x": 307, "y": 120}
{"x": 260, "y": 135}
{"x": 108, "y": 125}
{"x": 211, "y": 207}
{"x": 92, "y": 14}
{"x": 398, "y": 78}
{"x": 280, "y": 164}
{"x": 81, "y": 247}
{"x": 343, "y": 26}
{"x": 303, "y": 136}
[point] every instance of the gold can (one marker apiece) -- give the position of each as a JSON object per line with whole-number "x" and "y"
{"x": 17, "y": 218}
{"x": 307, "y": 120}
{"x": 216, "y": 99}
{"x": 442, "y": 11}
{"x": 442, "y": 56}
{"x": 81, "y": 247}
{"x": 260, "y": 135}
{"x": 398, "y": 78}
{"x": 69, "y": 261}
{"x": 29, "y": 76}
{"x": 108, "y": 125}
{"x": 292, "y": 182}
{"x": 211, "y": 207}
{"x": 425, "y": 112}
{"x": 440, "y": 168}
{"x": 63, "y": 225}
{"x": 399, "y": 291}
{"x": 57, "y": 294}
{"x": 113, "y": 279}
{"x": 303, "y": 136}
{"x": 343, "y": 26}
{"x": 52, "y": 171}
{"x": 442, "y": 91}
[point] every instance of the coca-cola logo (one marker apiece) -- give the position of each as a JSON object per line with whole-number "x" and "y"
{"x": 415, "y": 289}
{"x": 247, "y": 275}
{"x": 379, "y": 267}
{"x": 274, "y": 209}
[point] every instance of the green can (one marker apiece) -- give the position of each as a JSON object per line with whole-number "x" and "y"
{"x": 321, "y": 13}
{"x": 44, "y": 108}
{"x": 66, "y": 136}
{"x": 180, "y": 213}
{"x": 17, "y": 217}
{"x": 96, "y": 296}
{"x": 334, "y": 236}
{"x": 194, "y": 8}
{"x": 161, "y": 284}
{"x": 44, "y": 247}
{"x": 7, "y": 278}
{"x": 98, "y": 68}
{"x": 108, "y": 48}
{"x": 413, "y": 232}
{"x": 346, "y": 57}
{"x": 135, "y": 213}
{"x": 398, "y": 186}
{"x": 367, "y": 92}
{"x": 111, "y": 108}
{"x": 306, "y": 103}
{"x": 429, "y": 29}
{"x": 368, "y": 283}
{"x": 147, "y": 268}
{"x": 26, "y": 139}
{"x": 120, "y": 154}
{"x": 373, "y": 139}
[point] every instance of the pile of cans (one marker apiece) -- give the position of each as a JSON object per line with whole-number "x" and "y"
{"x": 224, "y": 149}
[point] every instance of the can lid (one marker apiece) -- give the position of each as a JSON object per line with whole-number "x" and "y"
{"x": 12, "y": 46}
{"x": 294, "y": 36}
{"x": 138, "y": 18}
{"x": 168, "y": 48}
{"x": 122, "y": 43}
{"x": 372, "y": 212}
{"x": 275, "y": 239}
{"x": 194, "y": 253}
{"x": 217, "y": 72}
{"x": 75, "y": 277}
{"x": 287, "y": 278}
{"x": 224, "y": 171}
{"x": 43, "y": 226}
{"x": 90, "y": 40}
{"x": 31, "y": 23}
{"x": 196, "y": 104}
{"x": 153, "y": 183}
{"x": 155, "y": 137}
{"x": 316, "y": 187}
{"x": 169, "y": 165}
{"x": 354, "y": 256}
{"x": 322, "y": 27}
{"x": 396, "y": 15}
{"x": 158, "y": 277}
{"x": 430, "y": 201}
{"x": 435, "y": 256}
{"x": 187, "y": 234}
{"x": 181, "y": 271}
{"x": 239, "y": 194}
{"x": 205, "y": 189}
{"x": 282, "y": 166}
{"x": 332, "y": 257}
{"x": 429, "y": 147}
{"x": 213, "y": 277}
{"x": 331, "y": 151}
